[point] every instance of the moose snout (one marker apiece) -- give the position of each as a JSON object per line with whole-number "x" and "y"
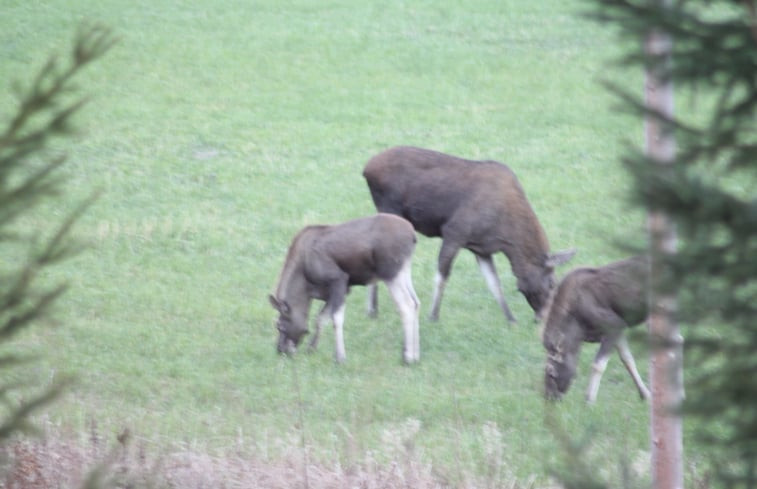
{"x": 555, "y": 382}
{"x": 285, "y": 345}
{"x": 551, "y": 392}
{"x": 539, "y": 316}
{"x": 289, "y": 341}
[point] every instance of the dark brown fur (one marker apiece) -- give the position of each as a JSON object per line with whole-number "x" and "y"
{"x": 593, "y": 305}
{"x": 477, "y": 205}
{"x": 323, "y": 262}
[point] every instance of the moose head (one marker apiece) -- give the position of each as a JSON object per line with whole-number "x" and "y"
{"x": 562, "y": 362}
{"x": 291, "y": 329}
{"x": 538, "y": 282}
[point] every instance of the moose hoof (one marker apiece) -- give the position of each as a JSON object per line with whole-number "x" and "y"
{"x": 552, "y": 397}
{"x": 411, "y": 357}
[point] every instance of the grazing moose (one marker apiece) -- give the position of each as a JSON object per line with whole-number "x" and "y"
{"x": 323, "y": 262}
{"x": 594, "y": 305}
{"x": 477, "y": 205}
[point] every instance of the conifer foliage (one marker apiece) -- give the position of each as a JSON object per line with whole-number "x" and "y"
{"x": 711, "y": 193}
{"x": 29, "y": 178}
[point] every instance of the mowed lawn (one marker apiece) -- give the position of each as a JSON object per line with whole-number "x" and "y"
{"x": 216, "y": 130}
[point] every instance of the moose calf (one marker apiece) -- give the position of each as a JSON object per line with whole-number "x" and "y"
{"x": 323, "y": 262}
{"x": 594, "y": 305}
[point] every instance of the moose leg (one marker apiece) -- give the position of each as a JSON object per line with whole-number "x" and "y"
{"x": 338, "y": 317}
{"x": 613, "y": 326}
{"x": 446, "y": 257}
{"x": 439, "y": 283}
{"x": 335, "y": 305}
{"x": 403, "y": 293}
{"x": 323, "y": 318}
{"x": 489, "y": 271}
{"x": 599, "y": 365}
{"x": 372, "y": 300}
{"x": 630, "y": 364}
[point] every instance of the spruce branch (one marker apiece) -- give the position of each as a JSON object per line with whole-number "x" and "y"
{"x": 29, "y": 176}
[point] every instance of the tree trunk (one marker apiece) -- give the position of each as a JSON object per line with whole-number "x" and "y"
{"x": 666, "y": 365}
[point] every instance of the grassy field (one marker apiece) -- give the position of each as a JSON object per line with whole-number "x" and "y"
{"x": 216, "y": 130}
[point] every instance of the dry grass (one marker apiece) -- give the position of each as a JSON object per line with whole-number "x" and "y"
{"x": 59, "y": 460}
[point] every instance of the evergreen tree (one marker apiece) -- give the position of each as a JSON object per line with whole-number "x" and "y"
{"x": 711, "y": 193}
{"x": 30, "y": 177}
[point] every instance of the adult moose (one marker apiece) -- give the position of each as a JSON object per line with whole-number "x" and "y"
{"x": 323, "y": 262}
{"x": 477, "y": 205}
{"x": 594, "y": 305}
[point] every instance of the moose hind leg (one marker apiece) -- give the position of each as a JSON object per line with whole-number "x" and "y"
{"x": 627, "y": 358}
{"x": 403, "y": 293}
{"x": 489, "y": 271}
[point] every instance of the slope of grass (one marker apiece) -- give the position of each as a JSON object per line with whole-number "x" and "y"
{"x": 217, "y": 131}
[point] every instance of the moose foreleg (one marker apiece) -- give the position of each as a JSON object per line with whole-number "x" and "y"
{"x": 446, "y": 257}
{"x": 403, "y": 293}
{"x": 598, "y": 366}
{"x": 489, "y": 271}
{"x": 627, "y": 358}
{"x": 338, "y": 317}
{"x": 439, "y": 283}
{"x": 337, "y": 292}
{"x": 372, "y": 300}
{"x": 613, "y": 326}
{"x": 320, "y": 321}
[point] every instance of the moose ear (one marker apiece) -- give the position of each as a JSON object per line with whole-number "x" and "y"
{"x": 559, "y": 258}
{"x": 274, "y": 302}
{"x": 281, "y": 306}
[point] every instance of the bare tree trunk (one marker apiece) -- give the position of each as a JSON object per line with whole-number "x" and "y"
{"x": 666, "y": 366}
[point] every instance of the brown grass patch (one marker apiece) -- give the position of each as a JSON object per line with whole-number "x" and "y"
{"x": 58, "y": 460}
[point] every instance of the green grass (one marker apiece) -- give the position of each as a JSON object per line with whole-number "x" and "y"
{"x": 217, "y": 131}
